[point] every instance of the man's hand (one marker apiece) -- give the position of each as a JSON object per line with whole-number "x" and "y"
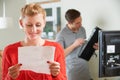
{"x": 95, "y": 46}
{"x": 79, "y": 42}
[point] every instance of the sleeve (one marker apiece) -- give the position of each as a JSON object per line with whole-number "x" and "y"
{"x": 5, "y": 65}
{"x": 60, "y": 39}
{"x": 59, "y": 57}
{"x": 84, "y": 31}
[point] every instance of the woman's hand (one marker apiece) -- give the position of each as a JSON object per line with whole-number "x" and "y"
{"x": 54, "y": 68}
{"x": 13, "y": 71}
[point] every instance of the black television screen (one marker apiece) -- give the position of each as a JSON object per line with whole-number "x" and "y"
{"x": 87, "y": 49}
{"x": 109, "y": 53}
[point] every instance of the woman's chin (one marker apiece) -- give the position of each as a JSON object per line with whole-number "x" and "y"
{"x": 34, "y": 38}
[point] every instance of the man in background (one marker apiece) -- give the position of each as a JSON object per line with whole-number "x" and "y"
{"x": 72, "y": 37}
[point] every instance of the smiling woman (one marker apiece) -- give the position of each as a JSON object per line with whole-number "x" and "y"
{"x": 33, "y": 22}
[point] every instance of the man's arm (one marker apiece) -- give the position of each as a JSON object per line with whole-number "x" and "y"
{"x": 76, "y": 43}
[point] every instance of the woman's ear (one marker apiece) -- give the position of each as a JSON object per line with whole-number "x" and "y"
{"x": 44, "y": 23}
{"x": 20, "y": 23}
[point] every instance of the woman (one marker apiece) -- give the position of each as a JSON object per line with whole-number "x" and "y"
{"x": 33, "y": 22}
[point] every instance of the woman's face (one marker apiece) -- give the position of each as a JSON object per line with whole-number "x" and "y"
{"x": 33, "y": 26}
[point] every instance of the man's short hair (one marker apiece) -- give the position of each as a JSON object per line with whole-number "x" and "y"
{"x": 72, "y": 14}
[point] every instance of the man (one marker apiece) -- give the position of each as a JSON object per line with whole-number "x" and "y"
{"x": 72, "y": 37}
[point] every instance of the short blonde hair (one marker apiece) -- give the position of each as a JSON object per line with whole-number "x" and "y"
{"x": 32, "y": 9}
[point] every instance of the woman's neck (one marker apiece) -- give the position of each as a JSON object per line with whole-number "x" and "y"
{"x": 27, "y": 42}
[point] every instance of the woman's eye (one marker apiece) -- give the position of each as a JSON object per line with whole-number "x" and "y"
{"x": 29, "y": 25}
{"x": 38, "y": 25}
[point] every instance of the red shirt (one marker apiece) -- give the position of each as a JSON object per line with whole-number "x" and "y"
{"x": 10, "y": 58}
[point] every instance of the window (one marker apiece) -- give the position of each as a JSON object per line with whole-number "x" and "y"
{"x": 53, "y": 24}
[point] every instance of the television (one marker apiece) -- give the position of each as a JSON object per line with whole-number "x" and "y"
{"x": 109, "y": 53}
{"x": 87, "y": 49}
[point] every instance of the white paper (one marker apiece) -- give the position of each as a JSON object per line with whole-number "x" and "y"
{"x": 35, "y": 58}
{"x": 110, "y": 48}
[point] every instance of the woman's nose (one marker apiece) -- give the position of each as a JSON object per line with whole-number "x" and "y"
{"x": 34, "y": 29}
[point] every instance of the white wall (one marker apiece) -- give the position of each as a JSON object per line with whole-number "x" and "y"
{"x": 12, "y": 33}
{"x": 102, "y": 13}
{"x": 95, "y": 12}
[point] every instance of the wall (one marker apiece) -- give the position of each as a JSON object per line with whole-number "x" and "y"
{"x": 13, "y": 32}
{"x": 102, "y": 13}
